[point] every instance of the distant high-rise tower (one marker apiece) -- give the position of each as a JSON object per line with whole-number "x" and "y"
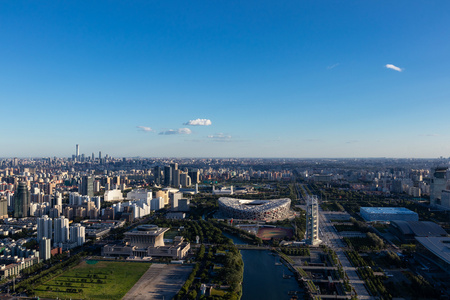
{"x": 22, "y": 201}
{"x": 176, "y": 178}
{"x": 167, "y": 175}
{"x": 87, "y": 186}
{"x": 157, "y": 175}
{"x": 77, "y": 152}
{"x": 312, "y": 221}
{"x": 438, "y": 183}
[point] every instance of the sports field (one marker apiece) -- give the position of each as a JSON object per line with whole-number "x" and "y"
{"x": 94, "y": 280}
{"x": 267, "y": 233}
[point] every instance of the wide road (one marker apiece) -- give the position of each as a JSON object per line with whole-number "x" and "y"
{"x": 331, "y": 238}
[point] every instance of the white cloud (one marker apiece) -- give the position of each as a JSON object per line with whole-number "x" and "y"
{"x": 333, "y": 66}
{"x": 220, "y": 137}
{"x": 178, "y": 131}
{"x": 395, "y": 68}
{"x": 198, "y": 122}
{"x": 144, "y": 128}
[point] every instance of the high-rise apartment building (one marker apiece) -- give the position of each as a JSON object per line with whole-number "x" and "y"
{"x": 61, "y": 231}
{"x": 45, "y": 248}
{"x": 3, "y": 207}
{"x": 22, "y": 201}
{"x": 44, "y": 228}
{"x": 77, "y": 234}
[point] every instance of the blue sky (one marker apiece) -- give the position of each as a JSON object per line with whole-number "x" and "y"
{"x": 275, "y": 78}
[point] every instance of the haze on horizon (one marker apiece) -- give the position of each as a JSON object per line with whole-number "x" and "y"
{"x": 295, "y": 79}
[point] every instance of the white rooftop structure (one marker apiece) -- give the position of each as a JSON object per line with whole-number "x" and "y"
{"x": 267, "y": 210}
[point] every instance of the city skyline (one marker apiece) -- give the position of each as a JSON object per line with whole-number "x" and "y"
{"x": 254, "y": 79}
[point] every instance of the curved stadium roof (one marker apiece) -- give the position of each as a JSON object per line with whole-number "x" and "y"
{"x": 419, "y": 228}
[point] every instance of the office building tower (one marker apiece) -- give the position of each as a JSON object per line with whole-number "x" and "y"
{"x": 176, "y": 178}
{"x": 99, "y": 155}
{"x": 45, "y": 248}
{"x": 96, "y": 186}
{"x": 195, "y": 176}
{"x": 438, "y": 184}
{"x": 157, "y": 175}
{"x": 44, "y": 228}
{"x": 174, "y": 166}
{"x": 22, "y": 201}
{"x": 185, "y": 180}
{"x": 312, "y": 221}
{"x": 77, "y": 234}
{"x": 167, "y": 176}
{"x": 77, "y": 152}
{"x": 97, "y": 201}
{"x": 61, "y": 231}
{"x": 87, "y": 186}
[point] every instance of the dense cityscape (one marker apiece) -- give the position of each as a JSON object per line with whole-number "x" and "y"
{"x": 225, "y": 150}
{"x": 336, "y": 228}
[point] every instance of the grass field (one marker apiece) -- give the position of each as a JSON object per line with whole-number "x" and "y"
{"x": 94, "y": 280}
{"x": 266, "y": 233}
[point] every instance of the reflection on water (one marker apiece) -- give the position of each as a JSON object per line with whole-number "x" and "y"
{"x": 263, "y": 279}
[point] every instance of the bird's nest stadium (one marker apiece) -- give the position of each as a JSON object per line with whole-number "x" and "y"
{"x": 262, "y": 210}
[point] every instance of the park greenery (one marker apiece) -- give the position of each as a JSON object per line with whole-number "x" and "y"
{"x": 370, "y": 242}
{"x": 217, "y": 266}
{"x": 94, "y": 280}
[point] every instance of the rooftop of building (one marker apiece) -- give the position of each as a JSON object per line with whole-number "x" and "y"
{"x": 387, "y": 210}
{"x": 151, "y": 230}
{"x": 439, "y": 246}
{"x": 253, "y": 205}
{"x": 419, "y": 228}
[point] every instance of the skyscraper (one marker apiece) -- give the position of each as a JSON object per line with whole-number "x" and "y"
{"x": 167, "y": 175}
{"x": 312, "y": 221}
{"x": 77, "y": 152}
{"x": 22, "y": 201}
{"x": 87, "y": 186}
{"x": 176, "y": 178}
{"x": 438, "y": 183}
{"x": 157, "y": 175}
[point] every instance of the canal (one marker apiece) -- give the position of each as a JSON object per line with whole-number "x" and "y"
{"x": 263, "y": 275}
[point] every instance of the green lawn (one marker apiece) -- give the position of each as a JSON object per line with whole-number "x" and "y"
{"x": 94, "y": 280}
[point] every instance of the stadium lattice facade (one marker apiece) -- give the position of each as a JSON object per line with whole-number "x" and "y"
{"x": 262, "y": 210}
